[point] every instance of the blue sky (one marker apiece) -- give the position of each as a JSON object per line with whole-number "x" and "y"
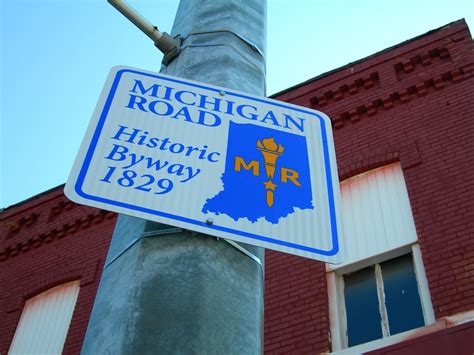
{"x": 56, "y": 54}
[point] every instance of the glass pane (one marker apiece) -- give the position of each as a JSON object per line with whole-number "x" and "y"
{"x": 401, "y": 295}
{"x": 362, "y": 307}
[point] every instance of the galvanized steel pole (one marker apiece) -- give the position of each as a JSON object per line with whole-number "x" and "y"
{"x": 164, "y": 290}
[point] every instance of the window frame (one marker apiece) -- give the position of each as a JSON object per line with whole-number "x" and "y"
{"x": 337, "y": 311}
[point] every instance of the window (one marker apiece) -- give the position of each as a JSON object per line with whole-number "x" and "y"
{"x": 375, "y": 296}
{"x": 381, "y": 289}
{"x": 45, "y": 320}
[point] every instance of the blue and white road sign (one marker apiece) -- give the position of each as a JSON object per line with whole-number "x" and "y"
{"x": 212, "y": 160}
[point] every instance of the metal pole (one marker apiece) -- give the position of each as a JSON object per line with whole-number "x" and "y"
{"x": 164, "y": 290}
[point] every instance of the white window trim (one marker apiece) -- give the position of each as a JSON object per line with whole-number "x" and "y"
{"x": 381, "y": 300}
{"x": 423, "y": 288}
{"x": 337, "y": 312}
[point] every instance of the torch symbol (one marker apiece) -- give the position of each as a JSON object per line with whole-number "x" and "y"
{"x": 270, "y": 151}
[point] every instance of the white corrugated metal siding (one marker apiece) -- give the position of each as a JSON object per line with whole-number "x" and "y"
{"x": 376, "y": 213}
{"x": 45, "y": 321}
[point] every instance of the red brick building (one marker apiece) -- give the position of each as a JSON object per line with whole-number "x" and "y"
{"x": 403, "y": 122}
{"x": 410, "y": 108}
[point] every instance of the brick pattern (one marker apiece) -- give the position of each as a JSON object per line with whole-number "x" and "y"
{"x": 24, "y": 221}
{"x": 415, "y": 90}
{"x": 296, "y": 316}
{"x": 423, "y": 58}
{"x": 418, "y": 110}
{"x": 407, "y": 153}
{"x": 357, "y": 86}
{"x": 45, "y": 242}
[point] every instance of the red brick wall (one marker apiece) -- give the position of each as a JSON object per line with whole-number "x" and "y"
{"x": 413, "y": 103}
{"x": 45, "y": 242}
{"x": 296, "y": 312}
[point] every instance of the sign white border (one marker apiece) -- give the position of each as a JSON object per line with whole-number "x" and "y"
{"x": 74, "y": 188}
